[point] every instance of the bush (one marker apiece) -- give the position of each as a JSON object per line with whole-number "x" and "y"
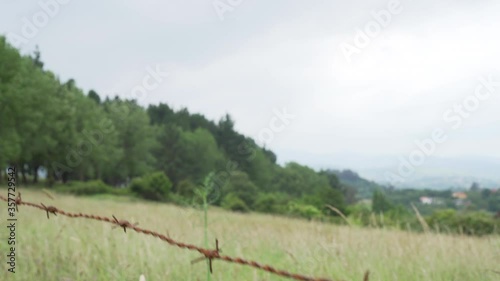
{"x": 469, "y": 223}
{"x": 90, "y": 188}
{"x": 271, "y": 203}
{"x": 477, "y": 223}
{"x": 240, "y": 185}
{"x": 186, "y": 188}
{"x": 360, "y": 214}
{"x": 304, "y": 211}
{"x": 155, "y": 186}
{"x": 234, "y": 203}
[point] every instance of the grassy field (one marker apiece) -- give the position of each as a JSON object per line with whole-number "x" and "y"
{"x": 79, "y": 249}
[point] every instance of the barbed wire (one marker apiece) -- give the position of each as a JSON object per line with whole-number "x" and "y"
{"x": 210, "y": 254}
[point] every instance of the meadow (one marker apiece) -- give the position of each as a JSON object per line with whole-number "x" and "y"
{"x": 67, "y": 249}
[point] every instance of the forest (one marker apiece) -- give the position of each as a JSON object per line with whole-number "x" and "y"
{"x": 52, "y": 125}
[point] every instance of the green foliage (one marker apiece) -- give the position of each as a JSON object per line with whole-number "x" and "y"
{"x": 304, "y": 211}
{"x": 242, "y": 187}
{"x": 94, "y": 96}
{"x": 52, "y": 125}
{"x": 232, "y": 202}
{"x": 186, "y": 154}
{"x": 155, "y": 186}
{"x": 91, "y": 188}
{"x": 297, "y": 180}
{"x": 477, "y": 199}
{"x": 199, "y": 154}
{"x": 356, "y": 187}
{"x": 470, "y": 223}
{"x": 132, "y": 124}
{"x": 443, "y": 220}
{"x": 271, "y": 203}
{"x": 360, "y": 213}
{"x": 380, "y": 203}
{"x": 260, "y": 169}
{"x": 330, "y": 196}
{"x": 186, "y": 188}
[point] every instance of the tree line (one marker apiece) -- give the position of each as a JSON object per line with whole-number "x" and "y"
{"x": 54, "y": 126}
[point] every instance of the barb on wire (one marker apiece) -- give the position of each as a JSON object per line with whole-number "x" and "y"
{"x": 210, "y": 255}
{"x": 207, "y": 253}
{"x": 123, "y": 223}
{"x": 50, "y": 209}
{"x": 367, "y": 276}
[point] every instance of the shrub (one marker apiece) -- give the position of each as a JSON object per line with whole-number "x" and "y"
{"x": 476, "y": 223}
{"x": 360, "y": 213}
{"x": 186, "y": 188}
{"x": 271, "y": 203}
{"x": 445, "y": 218}
{"x": 234, "y": 203}
{"x": 178, "y": 200}
{"x": 90, "y": 188}
{"x": 469, "y": 223}
{"x": 155, "y": 186}
{"x": 304, "y": 211}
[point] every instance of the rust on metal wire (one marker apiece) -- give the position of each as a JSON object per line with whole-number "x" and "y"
{"x": 50, "y": 209}
{"x": 210, "y": 255}
{"x": 207, "y": 253}
{"x": 123, "y": 223}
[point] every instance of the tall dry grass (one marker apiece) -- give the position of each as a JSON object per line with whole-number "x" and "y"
{"x": 77, "y": 249}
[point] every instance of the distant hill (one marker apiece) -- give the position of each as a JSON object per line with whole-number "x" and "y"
{"x": 363, "y": 186}
{"x": 440, "y": 172}
{"x": 448, "y": 182}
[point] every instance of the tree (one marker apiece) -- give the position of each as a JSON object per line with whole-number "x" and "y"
{"x": 242, "y": 187}
{"x": 168, "y": 152}
{"x": 290, "y": 180}
{"x": 186, "y": 155}
{"x": 232, "y": 202}
{"x": 271, "y": 202}
{"x": 298, "y": 180}
{"x": 333, "y": 180}
{"x": 234, "y": 145}
{"x": 33, "y": 109}
{"x": 160, "y": 114}
{"x": 380, "y": 203}
{"x": 261, "y": 170}
{"x": 10, "y": 109}
{"x": 37, "y": 58}
{"x": 94, "y": 96}
{"x": 333, "y": 197}
{"x": 199, "y": 154}
{"x": 155, "y": 186}
{"x": 474, "y": 186}
{"x": 132, "y": 124}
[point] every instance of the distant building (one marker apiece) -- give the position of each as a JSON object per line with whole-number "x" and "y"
{"x": 426, "y": 200}
{"x": 460, "y": 199}
{"x": 459, "y": 195}
{"x": 431, "y": 200}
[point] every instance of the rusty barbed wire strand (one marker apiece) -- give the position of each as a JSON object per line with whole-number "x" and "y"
{"x": 207, "y": 253}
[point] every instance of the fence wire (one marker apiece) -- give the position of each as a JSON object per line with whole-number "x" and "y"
{"x": 210, "y": 254}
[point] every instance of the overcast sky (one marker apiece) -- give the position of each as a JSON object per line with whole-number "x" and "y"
{"x": 250, "y": 58}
